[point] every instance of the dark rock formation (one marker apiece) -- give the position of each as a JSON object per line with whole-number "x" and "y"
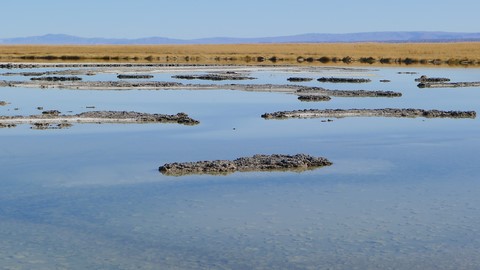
{"x": 134, "y": 76}
{"x": 56, "y": 79}
{"x": 347, "y": 93}
{"x": 48, "y": 118}
{"x": 313, "y": 98}
{"x": 343, "y": 80}
{"x": 7, "y": 125}
{"x": 214, "y": 77}
{"x": 388, "y": 112}
{"x": 299, "y": 79}
{"x": 425, "y": 79}
{"x": 447, "y": 84}
{"x": 245, "y": 164}
{"x": 51, "y": 112}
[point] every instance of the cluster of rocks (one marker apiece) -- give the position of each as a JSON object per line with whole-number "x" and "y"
{"x": 44, "y": 126}
{"x": 447, "y": 84}
{"x": 48, "y": 118}
{"x": 214, "y": 77}
{"x": 343, "y": 80}
{"x": 347, "y": 93}
{"x": 313, "y": 98}
{"x": 56, "y": 79}
{"x": 299, "y": 79}
{"x": 134, "y": 76}
{"x": 245, "y": 164}
{"x": 388, "y": 112}
{"x": 424, "y": 79}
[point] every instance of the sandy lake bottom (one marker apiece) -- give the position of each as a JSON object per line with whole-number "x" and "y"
{"x": 401, "y": 194}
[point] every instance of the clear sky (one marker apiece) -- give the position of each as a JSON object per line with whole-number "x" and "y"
{"x": 242, "y": 18}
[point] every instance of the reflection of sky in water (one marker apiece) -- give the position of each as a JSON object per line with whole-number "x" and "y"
{"x": 402, "y": 193}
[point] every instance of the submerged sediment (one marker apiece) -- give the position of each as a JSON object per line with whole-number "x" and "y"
{"x": 274, "y": 162}
{"x": 50, "y": 118}
{"x": 388, "y": 112}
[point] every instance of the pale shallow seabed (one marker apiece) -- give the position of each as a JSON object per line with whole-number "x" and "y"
{"x": 402, "y": 193}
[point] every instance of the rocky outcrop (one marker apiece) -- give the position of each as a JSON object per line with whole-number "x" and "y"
{"x": 53, "y": 117}
{"x": 246, "y": 164}
{"x": 343, "y": 80}
{"x": 299, "y": 79}
{"x": 134, "y": 76}
{"x": 347, "y": 93}
{"x": 56, "y": 79}
{"x": 313, "y": 98}
{"x": 447, "y": 84}
{"x": 424, "y": 79}
{"x": 389, "y": 112}
{"x": 214, "y": 77}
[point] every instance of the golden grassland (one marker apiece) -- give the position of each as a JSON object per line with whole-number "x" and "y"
{"x": 467, "y": 53}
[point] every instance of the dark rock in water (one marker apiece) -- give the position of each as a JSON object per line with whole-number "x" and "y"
{"x": 3, "y": 103}
{"x": 424, "y": 79}
{"x": 447, "y": 84}
{"x": 347, "y": 93}
{"x": 299, "y": 79}
{"x": 56, "y": 79}
{"x": 313, "y": 98}
{"x": 388, "y": 112}
{"x": 384, "y": 81}
{"x": 245, "y": 164}
{"x": 7, "y": 125}
{"x": 407, "y": 72}
{"x": 214, "y": 77}
{"x": 134, "y": 76}
{"x": 51, "y": 112}
{"x": 343, "y": 80}
{"x": 53, "y": 117}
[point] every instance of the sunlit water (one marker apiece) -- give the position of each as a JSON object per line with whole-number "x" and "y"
{"x": 402, "y": 193}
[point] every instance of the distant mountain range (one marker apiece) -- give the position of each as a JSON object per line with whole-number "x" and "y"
{"x": 60, "y": 39}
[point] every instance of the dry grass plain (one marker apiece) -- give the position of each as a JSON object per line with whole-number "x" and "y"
{"x": 462, "y": 53}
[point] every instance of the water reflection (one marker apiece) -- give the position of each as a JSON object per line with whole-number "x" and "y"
{"x": 402, "y": 194}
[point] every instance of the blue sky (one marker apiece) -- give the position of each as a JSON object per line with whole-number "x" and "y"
{"x": 248, "y": 18}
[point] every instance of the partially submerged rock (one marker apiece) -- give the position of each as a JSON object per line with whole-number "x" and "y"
{"x": 134, "y": 76}
{"x": 343, "y": 80}
{"x": 246, "y": 164}
{"x": 214, "y": 77}
{"x": 56, "y": 79}
{"x": 299, "y": 79}
{"x": 314, "y": 98}
{"x": 424, "y": 78}
{"x": 54, "y": 117}
{"x": 447, "y": 84}
{"x": 3, "y": 103}
{"x": 388, "y": 112}
{"x": 347, "y": 93}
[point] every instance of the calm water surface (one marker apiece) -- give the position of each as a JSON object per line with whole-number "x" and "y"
{"x": 402, "y": 193}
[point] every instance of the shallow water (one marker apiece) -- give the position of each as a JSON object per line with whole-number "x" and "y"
{"x": 402, "y": 193}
